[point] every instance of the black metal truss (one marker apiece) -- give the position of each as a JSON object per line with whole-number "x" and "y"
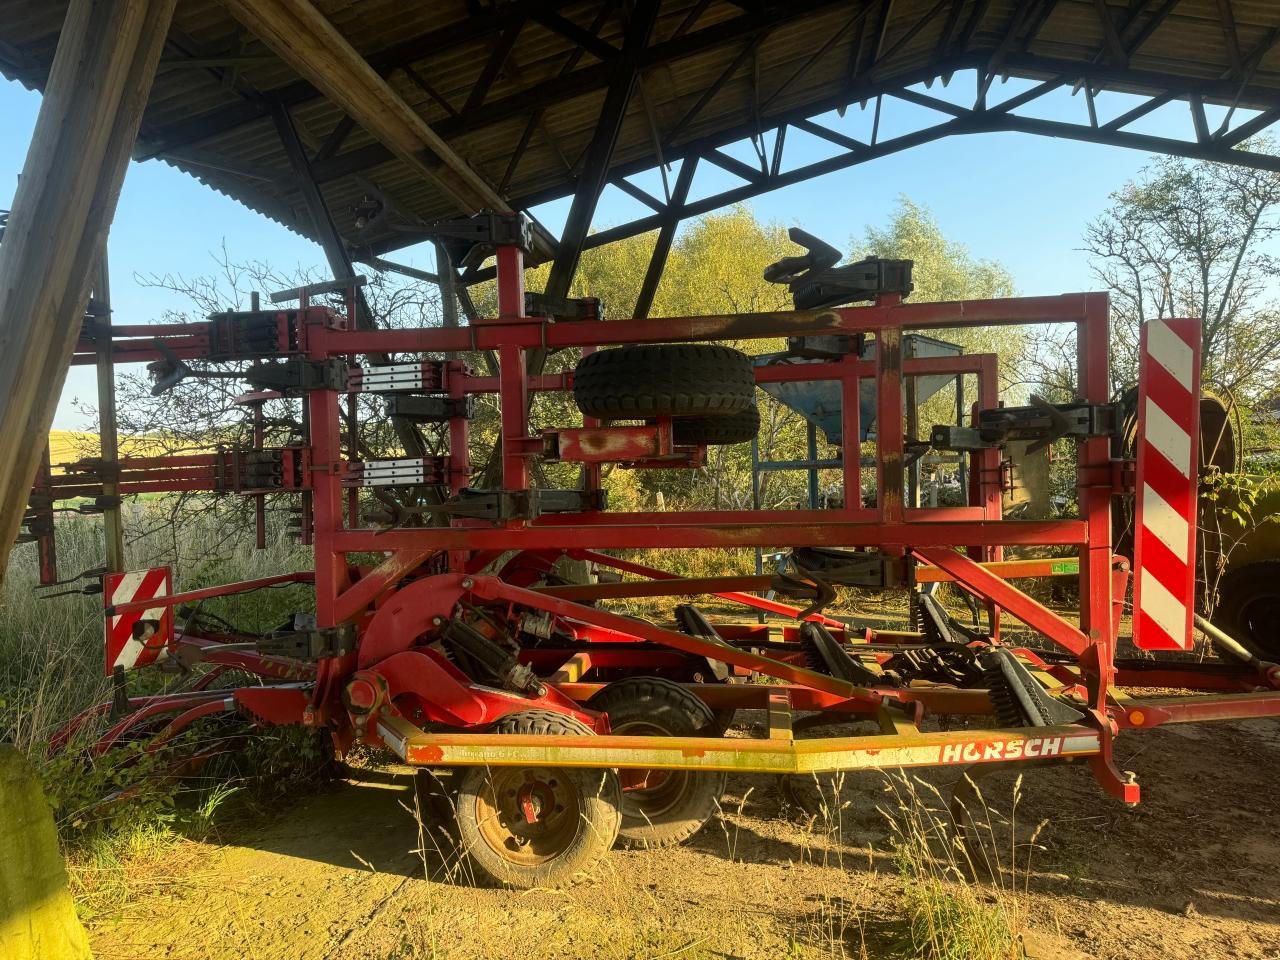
{"x": 770, "y": 173}
{"x": 978, "y": 35}
{"x": 566, "y": 85}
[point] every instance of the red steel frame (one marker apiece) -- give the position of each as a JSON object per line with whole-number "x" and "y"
{"x": 392, "y": 614}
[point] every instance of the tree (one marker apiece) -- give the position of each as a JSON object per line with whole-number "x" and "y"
{"x": 1189, "y": 239}
{"x": 199, "y": 414}
{"x": 945, "y": 270}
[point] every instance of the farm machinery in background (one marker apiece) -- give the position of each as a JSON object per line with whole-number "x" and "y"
{"x": 444, "y": 634}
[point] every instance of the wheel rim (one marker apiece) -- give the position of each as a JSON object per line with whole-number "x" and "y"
{"x": 528, "y": 816}
{"x": 647, "y": 794}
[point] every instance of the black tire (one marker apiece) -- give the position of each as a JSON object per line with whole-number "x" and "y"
{"x": 1249, "y": 607}
{"x": 664, "y": 380}
{"x": 717, "y": 431}
{"x": 580, "y": 827}
{"x": 680, "y": 802}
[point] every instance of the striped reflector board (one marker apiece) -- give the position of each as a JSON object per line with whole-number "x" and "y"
{"x": 1164, "y": 554}
{"x": 143, "y": 636}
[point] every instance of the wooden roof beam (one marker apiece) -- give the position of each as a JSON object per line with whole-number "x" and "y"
{"x": 302, "y": 36}
{"x": 97, "y": 89}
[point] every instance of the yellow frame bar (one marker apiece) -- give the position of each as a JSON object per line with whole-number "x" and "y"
{"x": 958, "y": 748}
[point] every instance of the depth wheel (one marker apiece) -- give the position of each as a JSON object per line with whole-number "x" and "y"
{"x": 530, "y": 827}
{"x": 661, "y": 808}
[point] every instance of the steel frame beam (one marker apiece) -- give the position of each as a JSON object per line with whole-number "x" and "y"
{"x": 1124, "y": 33}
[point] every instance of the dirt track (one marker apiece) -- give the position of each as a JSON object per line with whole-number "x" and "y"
{"x": 1189, "y": 874}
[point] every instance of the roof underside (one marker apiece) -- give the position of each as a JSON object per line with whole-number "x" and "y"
{"x": 517, "y": 88}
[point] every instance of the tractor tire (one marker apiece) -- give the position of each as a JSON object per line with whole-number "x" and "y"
{"x": 716, "y": 431}
{"x": 661, "y": 808}
{"x": 1249, "y": 607}
{"x": 577, "y": 812}
{"x": 664, "y": 380}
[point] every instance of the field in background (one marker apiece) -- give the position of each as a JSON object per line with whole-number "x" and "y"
{"x": 66, "y": 446}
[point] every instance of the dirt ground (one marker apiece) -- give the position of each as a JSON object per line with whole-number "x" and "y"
{"x": 1191, "y": 873}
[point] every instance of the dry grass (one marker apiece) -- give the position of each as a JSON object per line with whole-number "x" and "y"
{"x": 964, "y": 891}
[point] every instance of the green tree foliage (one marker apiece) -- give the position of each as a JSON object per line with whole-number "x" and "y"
{"x": 946, "y": 270}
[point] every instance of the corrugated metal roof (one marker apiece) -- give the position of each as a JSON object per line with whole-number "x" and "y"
{"x": 213, "y": 120}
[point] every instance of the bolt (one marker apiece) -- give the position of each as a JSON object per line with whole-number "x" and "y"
{"x": 436, "y": 621}
{"x": 468, "y": 583}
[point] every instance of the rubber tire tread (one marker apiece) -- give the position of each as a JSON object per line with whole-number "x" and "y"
{"x": 717, "y": 431}
{"x": 661, "y": 380}
{"x": 601, "y": 801}
{"x": 665, "y": 704}
{"x": 1236, "y": 588}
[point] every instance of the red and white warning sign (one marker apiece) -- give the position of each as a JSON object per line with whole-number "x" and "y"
{"x": 139, "y": 637}
{"x": 1164, "y": 557}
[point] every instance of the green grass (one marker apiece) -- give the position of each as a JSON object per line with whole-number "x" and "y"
{"x": 51, "y": 669}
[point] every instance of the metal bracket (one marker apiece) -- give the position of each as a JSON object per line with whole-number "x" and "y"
{"x": 850, "y": 568}
{"x": 404, "y": 472}
{"x": 420, "y": 409}
{"x": 317, "y": 643}
{"x": 297, "y": 374}
{"x": 563, "y": 309}
{"x": 826, "y": 346}
{"x": 471, "y": 240}
{"x": 1041, "y": 422}
{"x": 243, "y": 334}
{"x": 428, "y": 376}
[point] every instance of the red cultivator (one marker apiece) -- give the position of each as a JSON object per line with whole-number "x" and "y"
{"x": 458, "y": 647}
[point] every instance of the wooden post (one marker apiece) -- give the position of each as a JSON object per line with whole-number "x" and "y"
{"x": 37, "y": 916}
{"x": 93, "y": 103}
{"x": 108, "y": 436}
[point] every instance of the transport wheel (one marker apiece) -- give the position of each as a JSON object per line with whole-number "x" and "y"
{"x": 661, "y": 808}
{"x": 716, "y": 431}
{"x": 1249, "y": 607}
{"x": 676, "y": 380}
{"x": 530, "y": 827}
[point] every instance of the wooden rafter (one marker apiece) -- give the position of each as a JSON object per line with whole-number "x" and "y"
{"x": 305, "y": 39}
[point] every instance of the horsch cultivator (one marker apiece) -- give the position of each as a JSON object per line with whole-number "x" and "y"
{"x": 568, "y": 726}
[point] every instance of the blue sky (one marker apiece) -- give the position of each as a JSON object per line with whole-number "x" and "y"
{"x": 1019, "y": 199}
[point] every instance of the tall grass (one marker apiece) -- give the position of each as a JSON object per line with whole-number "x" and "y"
{"x": 964, "y": 890}
{"x": 52, "y": 668}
